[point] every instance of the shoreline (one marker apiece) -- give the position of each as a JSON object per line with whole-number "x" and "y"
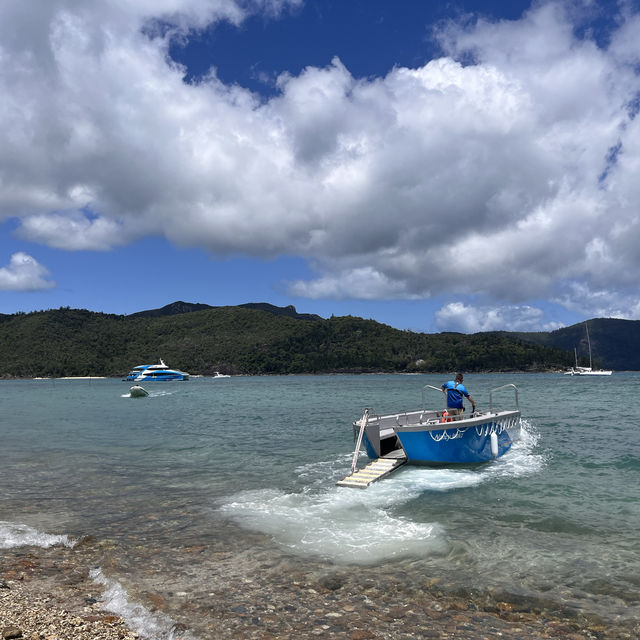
{"x": 9, "y": 378}
{"x": 48, "y": 593}
{"x": 41, "y": 599}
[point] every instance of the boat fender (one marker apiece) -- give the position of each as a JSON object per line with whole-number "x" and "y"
{"x": 445, "y": 416}
{"x": 494, "y": 444}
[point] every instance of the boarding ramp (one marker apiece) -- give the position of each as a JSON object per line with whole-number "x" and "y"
{"x": 375, "y": 470}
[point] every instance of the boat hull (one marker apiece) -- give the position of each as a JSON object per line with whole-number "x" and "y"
{"x": 468, "y": 445}
{"x": 470, "y": 441}
{"x": 601, "y": 372}
{"x": 160, "y": 376}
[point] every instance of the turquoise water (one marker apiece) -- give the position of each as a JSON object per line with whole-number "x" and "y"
{"x": 247, "y": 466}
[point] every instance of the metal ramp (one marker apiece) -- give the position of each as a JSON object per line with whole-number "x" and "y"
{"x": 375, "y": 470}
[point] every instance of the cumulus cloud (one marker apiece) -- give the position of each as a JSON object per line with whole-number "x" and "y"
{"x": 623, "y": 302}
{"x": 73, "y": 231}
{"x": 458, "y": 316}
{"x": 24, "y": 273}
{"x": 364, "y": 283}
{"x": 507, "y": 168}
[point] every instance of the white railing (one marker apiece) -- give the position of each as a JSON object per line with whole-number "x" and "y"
{"x": 504, "y": 386}
{"x": 363, "y": 425}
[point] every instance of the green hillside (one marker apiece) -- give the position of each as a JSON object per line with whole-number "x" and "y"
{"x": 248, "y": 339}
{"x": 615, "y": 344}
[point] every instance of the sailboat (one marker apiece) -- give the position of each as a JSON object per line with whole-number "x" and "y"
{"x": 586, "y": 371}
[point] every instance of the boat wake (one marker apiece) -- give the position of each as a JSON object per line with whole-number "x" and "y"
{"x": 356, "y": 526}
{"x": 344, "y": 527}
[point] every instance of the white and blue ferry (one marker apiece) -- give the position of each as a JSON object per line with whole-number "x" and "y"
{"x": 431, "y": 437}
{"x": 154, "y": 373}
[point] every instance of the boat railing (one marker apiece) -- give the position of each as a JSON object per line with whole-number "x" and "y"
{"x": 363, "y": 425}
{"x": 504, "y": 386}
{"x": 429, "y": 386}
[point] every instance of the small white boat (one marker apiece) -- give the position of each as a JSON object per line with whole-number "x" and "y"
{"x": 586, "y": 371}
{"x": 220, "y": 375}
{"x": 138, "y": 392}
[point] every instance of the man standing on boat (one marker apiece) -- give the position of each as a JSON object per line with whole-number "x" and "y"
{"x": 454, "y": 390}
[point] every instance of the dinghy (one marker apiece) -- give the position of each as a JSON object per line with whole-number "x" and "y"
{"x": 138, "y": 392}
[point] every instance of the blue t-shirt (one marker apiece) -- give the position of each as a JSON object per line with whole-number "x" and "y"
{"x": 455, "y": 391}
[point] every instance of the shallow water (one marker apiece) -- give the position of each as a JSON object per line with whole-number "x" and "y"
{"x": 243, "y": 470}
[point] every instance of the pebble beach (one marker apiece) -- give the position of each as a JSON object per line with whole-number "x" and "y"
{"x": 45, "y": 598}
{"x": 48, "y": 594}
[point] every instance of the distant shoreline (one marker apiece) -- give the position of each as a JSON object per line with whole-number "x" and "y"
{"x": 307, "y": 373}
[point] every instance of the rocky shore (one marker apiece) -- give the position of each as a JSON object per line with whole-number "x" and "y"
{"x": 35, "y": 605}
{"x": 49, "y": 594}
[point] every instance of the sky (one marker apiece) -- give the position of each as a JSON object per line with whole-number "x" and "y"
{"x": 435, "y": 166}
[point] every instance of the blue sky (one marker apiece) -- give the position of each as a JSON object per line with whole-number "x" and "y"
{"x": 434, "y": 166}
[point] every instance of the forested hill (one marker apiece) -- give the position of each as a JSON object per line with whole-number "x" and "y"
{"x": 615, "y": 344}
{"x": 252, "y": 339}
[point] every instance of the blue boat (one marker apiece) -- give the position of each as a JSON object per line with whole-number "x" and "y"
{"x": 432, "y": 437}
{"x": 155, "y": 373}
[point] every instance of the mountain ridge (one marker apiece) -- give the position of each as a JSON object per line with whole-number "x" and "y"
{"x": 178, "y": 307}
{"x": 260, "y": 338}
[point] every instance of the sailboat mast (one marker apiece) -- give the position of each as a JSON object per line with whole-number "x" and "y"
{"x": 588, "y": 343}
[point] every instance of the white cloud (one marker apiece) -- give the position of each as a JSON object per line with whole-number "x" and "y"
{"x": 601, "y": 303}
{"x": 364, "y": 283}
{"x": 515, "y": 176}
{"x": 457, "y": 316}
{"x": 24, "y": 273}
{"x": 73, "y": 231}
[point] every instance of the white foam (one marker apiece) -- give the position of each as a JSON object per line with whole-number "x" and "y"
{"x": 337, "y": 525}
{"x": 521, "y": 459}
{"x": 358, "y": 526}
{"x": 138, "y": 618}
{"x": 20, "y": 535}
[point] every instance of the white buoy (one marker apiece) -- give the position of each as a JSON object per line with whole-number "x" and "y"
{"x": 494, "y": 444}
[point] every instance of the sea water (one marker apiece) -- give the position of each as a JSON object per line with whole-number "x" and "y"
{"x": 244, "y": 469}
